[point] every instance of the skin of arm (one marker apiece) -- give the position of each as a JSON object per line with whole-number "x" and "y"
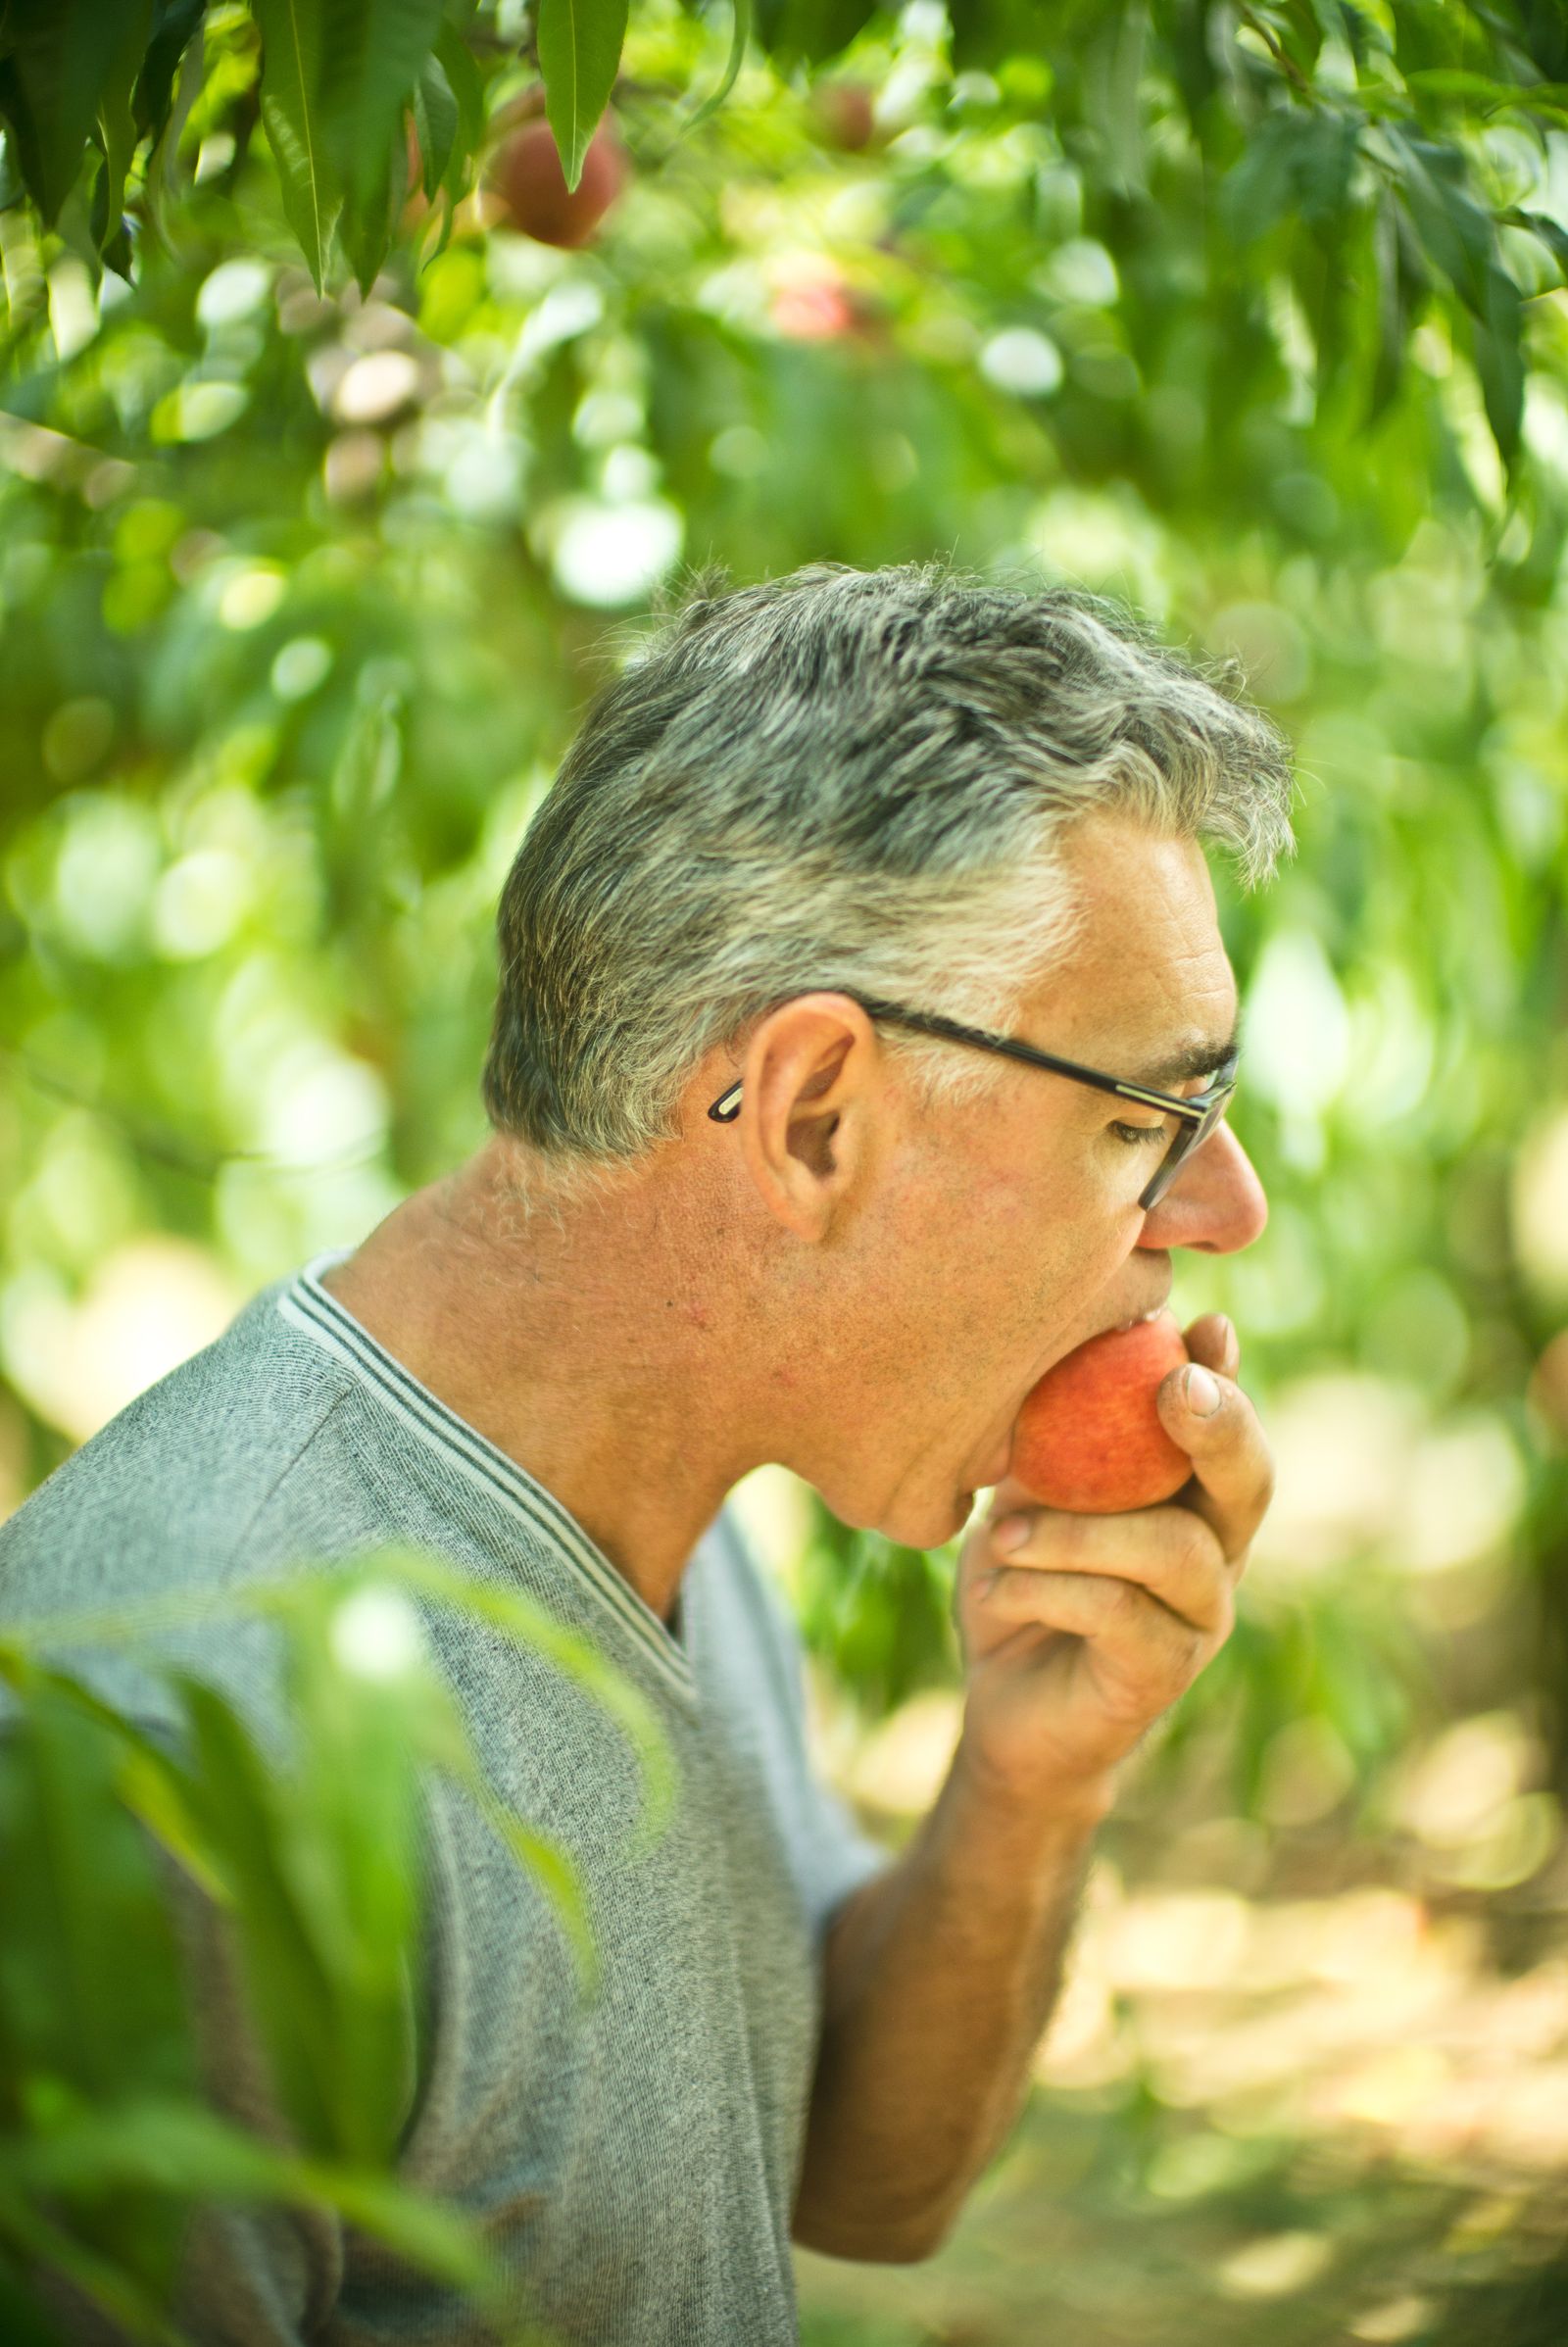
{"x": 940, "y": 1973}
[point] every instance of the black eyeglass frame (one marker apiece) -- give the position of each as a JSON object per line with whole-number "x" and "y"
{"x": 1197, "y": 1114}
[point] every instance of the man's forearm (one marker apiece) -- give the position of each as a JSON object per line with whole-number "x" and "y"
{"x": 940, "y": 1977}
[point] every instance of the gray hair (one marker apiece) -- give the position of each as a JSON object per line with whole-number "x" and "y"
{"x": 838, "y": 779}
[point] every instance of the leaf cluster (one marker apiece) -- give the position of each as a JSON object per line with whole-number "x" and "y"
{"x": 1358, "y": 140}
{"x": 126, "y": 1847}
{"x": 304, "y": 592}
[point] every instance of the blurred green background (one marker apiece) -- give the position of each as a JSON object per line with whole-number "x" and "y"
{"x": 1251, "y": 317}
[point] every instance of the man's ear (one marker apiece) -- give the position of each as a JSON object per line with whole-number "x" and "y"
{"x": 812, "y": 1071}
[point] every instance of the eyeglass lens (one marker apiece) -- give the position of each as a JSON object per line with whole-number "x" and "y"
{"x": 1185, "y": 1140}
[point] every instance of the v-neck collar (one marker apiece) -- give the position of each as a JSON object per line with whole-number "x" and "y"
{"x": 307, "y": 1306}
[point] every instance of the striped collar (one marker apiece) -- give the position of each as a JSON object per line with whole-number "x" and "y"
{"x": 307, "y": 1306}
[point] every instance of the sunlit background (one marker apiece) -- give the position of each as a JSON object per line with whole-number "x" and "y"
{"x": 302, "y": 596}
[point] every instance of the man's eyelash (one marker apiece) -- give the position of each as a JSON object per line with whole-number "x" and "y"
{"x": 1139, "y": 1136}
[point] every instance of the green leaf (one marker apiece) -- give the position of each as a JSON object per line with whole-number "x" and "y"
{"x": 371, "y": 55}
{"x": 518, "y": 1617}
{"x": 58, "y": 59}
{"x": 531, "y": 1626}
{"x": 435, "y": 123}
{"x": 117, "y": 123}
{"x": 1553, "y": 235}
{"x": 1393, "y": 308}
{"x": 367, "y": 220}
{"x": 1499, "y": 361}
{"x": 1460, "y": 238}
{"x": 292, "y": 115}
{"x": 812, "y": 30}
{"x": 318, "y": 1895}
{"x": 579, "y": 53}
{"x": 1444, "y": 82}
{"x": 347, "y": 1814}
{"x": 47, "y": 2246}
{"x": 90, "y": 1986}
{"x": 468, "y": 89}
{"x": 739, "y": 36}
{"x": 289, "y": 1990}
{"x": 184, "y": 2149}
{"x": 153, "y": 1783}
{"x": 1114, "y": 81}
{"x": 156, "y": 1792}
{"x": 23, "y": 2322}
{"x": 984, "y": 33}
{"x": 1457, "y": 234}
{"x": 174, "y": 22}
{"x": 1299, "y": 164}
{"x": 161, "y": 175}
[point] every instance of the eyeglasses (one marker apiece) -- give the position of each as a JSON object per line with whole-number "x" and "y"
{"x": 1195, "y": 1116}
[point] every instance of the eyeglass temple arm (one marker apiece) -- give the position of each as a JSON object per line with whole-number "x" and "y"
{"x": 727, "y": 1106}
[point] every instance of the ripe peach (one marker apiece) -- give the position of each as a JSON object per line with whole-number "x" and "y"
{"x": 528, "y": 177}
{"x": 845, "y": 112}
{"x": 1089, "y": 1436}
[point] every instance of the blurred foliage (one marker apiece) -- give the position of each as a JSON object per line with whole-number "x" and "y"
{"x": 1343, "y": 132}
{"x": 311, "y": 549}
{"x": 310, "y": 1854}
{"x": 1252, "y": 316}
{"x": 1309, "y": 2119}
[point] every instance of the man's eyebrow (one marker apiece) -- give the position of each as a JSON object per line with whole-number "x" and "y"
{"x": 1200, "y": 1059}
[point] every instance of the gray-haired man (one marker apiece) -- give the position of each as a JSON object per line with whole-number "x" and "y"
{"x": 739, "y": 1207}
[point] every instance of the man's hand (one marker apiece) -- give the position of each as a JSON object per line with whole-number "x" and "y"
{"x": 1077, "y": 1640}
{"x": 941, "y": 1972}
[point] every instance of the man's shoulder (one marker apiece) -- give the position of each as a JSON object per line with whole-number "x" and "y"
{"x": 166, "y": 1494}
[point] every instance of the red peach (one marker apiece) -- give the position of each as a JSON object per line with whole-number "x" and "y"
{"x": 845, "y": 111}
{"x": 811, "y": 312}
{"x": 528, "y": 177}
{"x": 1089, "y": 1434}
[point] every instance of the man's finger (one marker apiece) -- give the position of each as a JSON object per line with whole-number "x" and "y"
{"x": 1216, "y": 1425}
{"x": 1165, "y": 1552}
{"x": 1143, "y": 1635}
{"x": 1213, "y": 1340}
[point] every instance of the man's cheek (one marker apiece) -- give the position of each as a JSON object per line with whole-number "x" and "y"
{"x": 1079, "y": 1291}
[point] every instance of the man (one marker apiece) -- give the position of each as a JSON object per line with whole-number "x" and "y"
{"x": 740, "y": 1204}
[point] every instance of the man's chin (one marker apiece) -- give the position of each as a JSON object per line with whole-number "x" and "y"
{"x": 942, "y": 1526}
{"x": 923, "y": 1526}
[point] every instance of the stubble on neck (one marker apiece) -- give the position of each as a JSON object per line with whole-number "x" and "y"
{"x": 582, "y": 1332}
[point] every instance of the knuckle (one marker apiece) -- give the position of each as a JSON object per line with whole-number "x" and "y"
{"x": 1070, "y": 1535}
{"x": 1001, "y": 1589}
{"x": 1196, "y": 1551}
{"x": 1125, "y": 1605}
{"x": 1180, "y": 1647}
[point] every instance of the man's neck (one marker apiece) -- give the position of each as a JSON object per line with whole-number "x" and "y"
{"x": 582, "y": 1344}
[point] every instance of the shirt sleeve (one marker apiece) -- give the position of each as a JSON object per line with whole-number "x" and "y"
{"x": 829, "y": 1854}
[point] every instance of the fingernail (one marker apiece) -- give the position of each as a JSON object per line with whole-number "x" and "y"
{"x": 1011, "y": 1533}
{"x": 1203, "y": 1395}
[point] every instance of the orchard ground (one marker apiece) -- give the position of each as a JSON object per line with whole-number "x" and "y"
{"x": 1298, "y": 2086}
{"x": 1308, "y": 2078}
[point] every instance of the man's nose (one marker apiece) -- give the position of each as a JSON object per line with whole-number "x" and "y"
{"x": 1215, "y": 1203}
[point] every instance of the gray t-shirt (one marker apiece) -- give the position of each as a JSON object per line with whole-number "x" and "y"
{"x": 634, "y": 2161}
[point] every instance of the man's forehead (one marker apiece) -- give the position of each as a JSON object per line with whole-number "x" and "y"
{"x": 1147, "y": 980}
